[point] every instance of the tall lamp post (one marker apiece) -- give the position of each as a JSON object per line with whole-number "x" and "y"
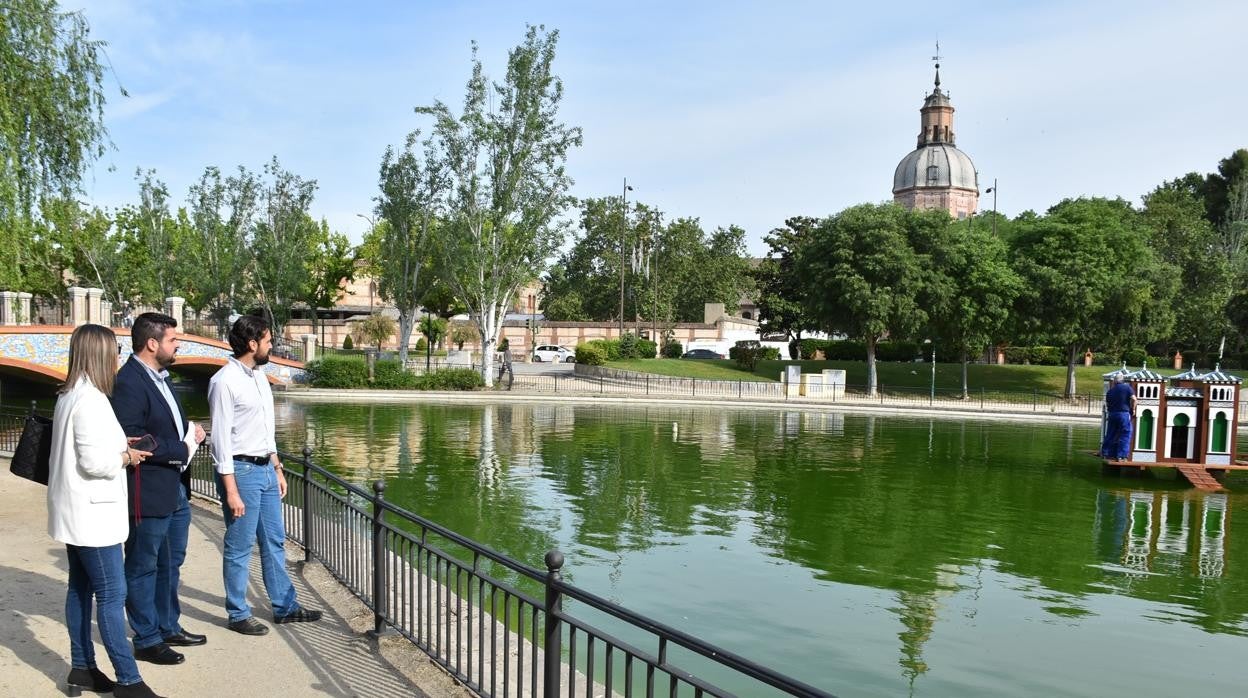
{"x": 993, "y": 190}
{"x": 623, "y": 235}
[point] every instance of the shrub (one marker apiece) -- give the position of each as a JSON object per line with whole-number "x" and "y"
{"x": 610, "y": 348}
{"x": 1135, "y": 357}
{"x": 1048, "y": 356}
{"x": 421, "y": 344}
{"x": 672, "y": 349}
{"x": 745, "y": 353}
{"x": 1197, "y": 358}
{"x": 808, "y": 347}
{"x": 390, "y": 374}
{"x": 449, "y": 379}
{"x": 893, "y": 351}
{"x": 591, "y": 354}
{"x": 348, "y": 344}
{"x": 845, "y": 350}
{"x": 646, "y": 349}
{"x": 628, "y": 346}
{"x": 338, "y": 372}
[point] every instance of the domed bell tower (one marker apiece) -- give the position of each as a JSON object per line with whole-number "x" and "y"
{"x": 936, "y": 174}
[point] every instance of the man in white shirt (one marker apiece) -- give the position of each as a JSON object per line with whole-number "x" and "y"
{"x": 160, "y": 515}
{"x": 250, "y": 479}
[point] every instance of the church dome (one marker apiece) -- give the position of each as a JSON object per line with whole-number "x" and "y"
{"x": 935, "y": 166}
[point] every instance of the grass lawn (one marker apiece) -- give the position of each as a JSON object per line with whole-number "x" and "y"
{"x": 705, "y": 369}
{"x": 1008, "y": 378}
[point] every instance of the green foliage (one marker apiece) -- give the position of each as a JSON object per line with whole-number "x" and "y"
{"x": 352, "y": 372}
{"x": 591, "y": 354}
{"x": 780, "y": 288}
{"x": 748, "y": 352}
{"x": 433, "y": 328}
{"x": 421, "y": 344}
{"x": 282, "y": 240}
{"x": 348, "y": 344}
{"x": 337, "y": 372}
{"x": 808, "y": 347}
{"x": 672, "y": 349}
{"x": 51, "y": 118}
{"x": 627, "y": 346}
{"x": 1090, "y": 278}
{"x": 1135, "y": 357}
{"x": 646, "y": 349}
{"x": 375, "y": 329}
{"x": 504, "y": 157}
{"x": 461, "y": 332}
{"x": 1038, "y": 355}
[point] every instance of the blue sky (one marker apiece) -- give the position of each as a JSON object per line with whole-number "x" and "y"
{"x": 733, "y": 112}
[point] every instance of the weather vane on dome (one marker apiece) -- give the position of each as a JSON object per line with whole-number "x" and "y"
{"x": 936, "y": 58}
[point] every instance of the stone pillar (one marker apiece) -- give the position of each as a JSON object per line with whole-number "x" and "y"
{"x": 1178, "y": 361}
{"x": 94, "y": 296}
{"x": 309, "y": 347}
{"x": 173, "y": 308}
{"x": 23, "y": 307}
{"x": 77, "y": 306}
{"x": 106, "y": 313}
{"x": 8, "y": 301}
{"x": 1087, "y": 358}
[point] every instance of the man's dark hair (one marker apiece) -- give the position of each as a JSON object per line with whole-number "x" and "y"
{"x": 246, "y": 329}
{"x": 149, "y": 326}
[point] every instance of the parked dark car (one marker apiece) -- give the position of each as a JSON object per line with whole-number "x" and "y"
{"x": 701, "y": 354}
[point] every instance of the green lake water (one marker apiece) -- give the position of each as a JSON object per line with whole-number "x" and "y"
{"x": 866, "y": 555}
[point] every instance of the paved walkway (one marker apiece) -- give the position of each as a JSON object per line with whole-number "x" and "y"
{"x": 330, "y": 658}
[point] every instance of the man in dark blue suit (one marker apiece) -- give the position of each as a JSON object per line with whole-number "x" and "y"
{"x": 160, "y": 515}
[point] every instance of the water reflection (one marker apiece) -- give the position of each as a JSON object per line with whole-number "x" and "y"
{"x": 908, "y": 540}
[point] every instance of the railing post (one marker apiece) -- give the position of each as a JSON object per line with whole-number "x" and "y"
{"x": 647, "y": 384}
{"x": 1035, "y": 398}
{"x": 554, "y": 637}
{"x": 981, "y": 398}
{"x": 307, "y": 504}
{"x": 379, "y": 558}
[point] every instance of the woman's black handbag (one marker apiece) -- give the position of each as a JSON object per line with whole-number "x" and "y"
{"x": 34, "y": 449}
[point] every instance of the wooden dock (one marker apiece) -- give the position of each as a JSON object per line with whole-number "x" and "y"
{"x": 1199, "y": 474}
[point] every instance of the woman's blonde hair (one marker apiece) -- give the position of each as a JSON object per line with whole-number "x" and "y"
{"x": 93, "y": 354}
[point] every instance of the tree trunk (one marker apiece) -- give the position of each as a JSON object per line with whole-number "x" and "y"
{"x": 489, "y": 326}
{"x": 966, "y": 359}
{"x": 1070, "y": 371}
{"x": 407, "y": 321}
{"x": 871, "y": 382}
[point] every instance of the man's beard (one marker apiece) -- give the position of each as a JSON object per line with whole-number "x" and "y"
{"x": 166, "y": 360}
{"x": 261, "y": 360}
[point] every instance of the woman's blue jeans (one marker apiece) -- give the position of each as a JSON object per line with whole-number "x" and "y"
{"x": 261, "y": 523}
{"x": 99, "y": 573}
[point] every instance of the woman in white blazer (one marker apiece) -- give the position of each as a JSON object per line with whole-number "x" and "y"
{"x": 87, "y": 511}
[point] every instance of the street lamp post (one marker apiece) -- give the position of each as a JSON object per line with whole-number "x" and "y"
{"x": 993, "y": 190}
{"x": 623, "y": 236}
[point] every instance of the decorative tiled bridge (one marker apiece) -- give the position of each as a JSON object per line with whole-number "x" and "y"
{"x": 41, "y": 353}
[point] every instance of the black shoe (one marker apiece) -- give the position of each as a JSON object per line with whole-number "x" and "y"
{"x": 159, "y": 654}
{"x": 89, "y": 680}
{"x": 303, "y": 615}
{"x": 249, "y": 626}
{"x": 186, "y": 639}
{"x": 133, "y": 690}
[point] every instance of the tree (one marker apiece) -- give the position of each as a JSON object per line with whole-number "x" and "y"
{"x": 1182, "y": 236}
{"x": 282, "y": 241}
{"x": 332, "y": 264}
{"x": 1090, "y": 279}
{"x": 863, "y": 277}
{"x": 972, "y": 292}
{"x": 780, "y": 299}
{"x": 433, "y": 328}
{"x": 51, "y": 117}
{"x": 375, "y": 329}
{"x": 413, "y": 190}
{"x": 221, "y": 215}
{"x": 505, "y": 155}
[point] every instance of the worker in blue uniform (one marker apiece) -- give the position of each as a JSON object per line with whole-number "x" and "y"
{"x": 1119, "y": 407}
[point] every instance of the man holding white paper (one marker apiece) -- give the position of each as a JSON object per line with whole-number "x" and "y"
{"x": 160, "y": 513}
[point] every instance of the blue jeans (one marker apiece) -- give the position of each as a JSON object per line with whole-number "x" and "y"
{"x": 261, "y": 523}
{"x": 1117, "y": 443}
{"x": 155, "y": 551}
{"x": 98, "y": 573}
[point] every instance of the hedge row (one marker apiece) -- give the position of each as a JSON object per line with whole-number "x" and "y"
{"x": 748, "y": 352}
{"x": 597, "y": 352}
{"x": 352, "y": 372}
{"x": 852, "y": 350}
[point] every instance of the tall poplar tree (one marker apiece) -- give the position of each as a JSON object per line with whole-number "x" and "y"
{"x": 505, "y": 155}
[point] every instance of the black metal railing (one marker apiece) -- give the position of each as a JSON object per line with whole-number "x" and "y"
{"x": 498, "y": 625}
